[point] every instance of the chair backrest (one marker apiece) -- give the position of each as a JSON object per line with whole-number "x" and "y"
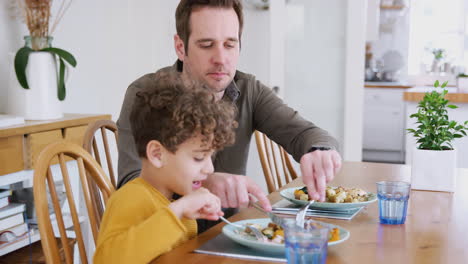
{"x": 45, "y": 190}
{"x": 91, "y": 144}
{"x": 276, "y": 163}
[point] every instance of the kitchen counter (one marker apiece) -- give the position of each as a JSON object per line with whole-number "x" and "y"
{"x": 395, "y": 85}
{"x": 416, "y": 94}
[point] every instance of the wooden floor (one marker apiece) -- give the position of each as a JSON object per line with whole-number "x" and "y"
{"x": 28, "y": 255}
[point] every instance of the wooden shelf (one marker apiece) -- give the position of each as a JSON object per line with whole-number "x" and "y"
{"x": 392, "y": 7}
{"x": 68, "y": 120}
{"x": 34, "y": 235}
{"x": 21, "y": 242}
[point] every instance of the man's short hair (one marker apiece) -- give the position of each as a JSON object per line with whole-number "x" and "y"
{"x": 184, "y": 12}
{"x": 172, "y": 112}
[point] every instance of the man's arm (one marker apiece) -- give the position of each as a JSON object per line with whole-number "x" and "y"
{"x": 285, "y": 125}
{"x": 314, "y": 148}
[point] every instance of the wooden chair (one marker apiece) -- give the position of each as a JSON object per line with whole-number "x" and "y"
{"x": 90, "y": 144}
{"x": 44, "y": 184}
{"x": 276, "y": 164}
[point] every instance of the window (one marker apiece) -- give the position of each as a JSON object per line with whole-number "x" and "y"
{"x": 436, "y": 24}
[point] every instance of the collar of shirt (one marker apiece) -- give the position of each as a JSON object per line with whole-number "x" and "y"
{"x": 232, "y": 92}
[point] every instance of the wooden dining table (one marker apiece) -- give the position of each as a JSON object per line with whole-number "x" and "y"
{"x": 436, "y": 228}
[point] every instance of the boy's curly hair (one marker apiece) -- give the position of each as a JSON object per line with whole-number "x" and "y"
{"x": 172, "y": 112}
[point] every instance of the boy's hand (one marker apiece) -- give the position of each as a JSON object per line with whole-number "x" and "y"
{"x": 198, "y": 204}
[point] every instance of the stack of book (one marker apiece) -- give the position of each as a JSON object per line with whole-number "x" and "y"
{"x": 12, "y": 225}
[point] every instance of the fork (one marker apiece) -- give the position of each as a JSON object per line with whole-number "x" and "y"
{"x": 258, "y": 234}
{"x": 300, "y": 217}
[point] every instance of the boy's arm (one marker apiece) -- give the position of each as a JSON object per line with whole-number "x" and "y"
{"x": 138, "y": 243}
{"x": 127, "y": 236}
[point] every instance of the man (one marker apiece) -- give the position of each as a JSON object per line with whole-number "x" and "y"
{"x": 207, "y": 44}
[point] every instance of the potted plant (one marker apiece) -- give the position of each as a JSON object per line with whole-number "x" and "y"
{"x": 439, "y": 55}
{"x": 35, "y": 64}
{"x": 434, "y": 159}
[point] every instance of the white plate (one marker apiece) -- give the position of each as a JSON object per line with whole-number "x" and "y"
{"x": 289, "y": 195}
{"x": 234, "y": 234}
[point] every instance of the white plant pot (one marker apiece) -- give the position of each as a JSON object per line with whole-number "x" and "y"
{"x": 40, "y": 101}
{"x": 462, "y": 84}
{"x": 434, "y": 170}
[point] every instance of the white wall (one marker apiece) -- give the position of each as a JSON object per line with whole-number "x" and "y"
{"x": 114, "y": 43}
{"x": 117, "y": 41}
{"x": 315, "y": 62}
{"x": 10, "y": 41}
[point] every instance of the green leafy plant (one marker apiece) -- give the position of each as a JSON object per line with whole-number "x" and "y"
{"x": 36, "y": 14}
{"x": 439, "y": 54}
{"x": 21, "y": 61}
{"x": 435, "y": 131}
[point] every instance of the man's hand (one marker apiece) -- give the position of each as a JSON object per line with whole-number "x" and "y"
{"x": 319, "y": 168}
{"x": 198, "y": 204}
{"x": 233, "y": 190}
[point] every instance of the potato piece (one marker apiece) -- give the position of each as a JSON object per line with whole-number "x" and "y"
{"x": 279, "y": 232}
{"x": 357, "y": 192}
{"x": 268, "y": 232}
{"x": 340, "y": 197}
{"x": 304, "y": 197}
{"x": 298, "y": 193}
{"x": 334, "y": 235}
{"x": 348, "y": 199}
{"x": 273, "y": 225}
{"x": 330, "y": 192}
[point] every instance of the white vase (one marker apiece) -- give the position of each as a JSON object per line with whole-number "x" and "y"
{"x": 40, "y": 101}
{"x": 434, "y": 170}
{"x": 462, "y": 84}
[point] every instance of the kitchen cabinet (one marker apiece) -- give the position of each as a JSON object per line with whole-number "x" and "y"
{"x": 384, "y": 125}
{"x": 373, "y": 20}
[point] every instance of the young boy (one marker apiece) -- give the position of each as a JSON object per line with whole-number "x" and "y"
{"x": 176, "y": 129}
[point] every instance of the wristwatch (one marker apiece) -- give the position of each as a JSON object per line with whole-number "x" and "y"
{"x": 314, "y": 148}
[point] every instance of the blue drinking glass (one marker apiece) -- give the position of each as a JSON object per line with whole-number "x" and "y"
{"x": 393, "y": 201}
{"x": 308, "y": 244}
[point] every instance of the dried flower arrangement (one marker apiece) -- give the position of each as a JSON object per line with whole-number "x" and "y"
{"x": 36, "y": 15}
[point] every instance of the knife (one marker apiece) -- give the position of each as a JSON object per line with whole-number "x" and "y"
{"x": 274, "y": 218}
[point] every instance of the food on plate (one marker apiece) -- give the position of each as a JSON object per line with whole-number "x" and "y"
{"x": 336, "y": 195}
{"x": 275, "y": 233}
{"x": 334, "y": 235}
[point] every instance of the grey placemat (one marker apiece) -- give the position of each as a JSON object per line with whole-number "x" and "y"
{"x": 288, "y": 208}
{"x": 223, "y": 246}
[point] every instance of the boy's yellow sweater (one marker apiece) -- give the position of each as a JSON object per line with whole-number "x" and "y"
{"x": 138, "y": 226}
